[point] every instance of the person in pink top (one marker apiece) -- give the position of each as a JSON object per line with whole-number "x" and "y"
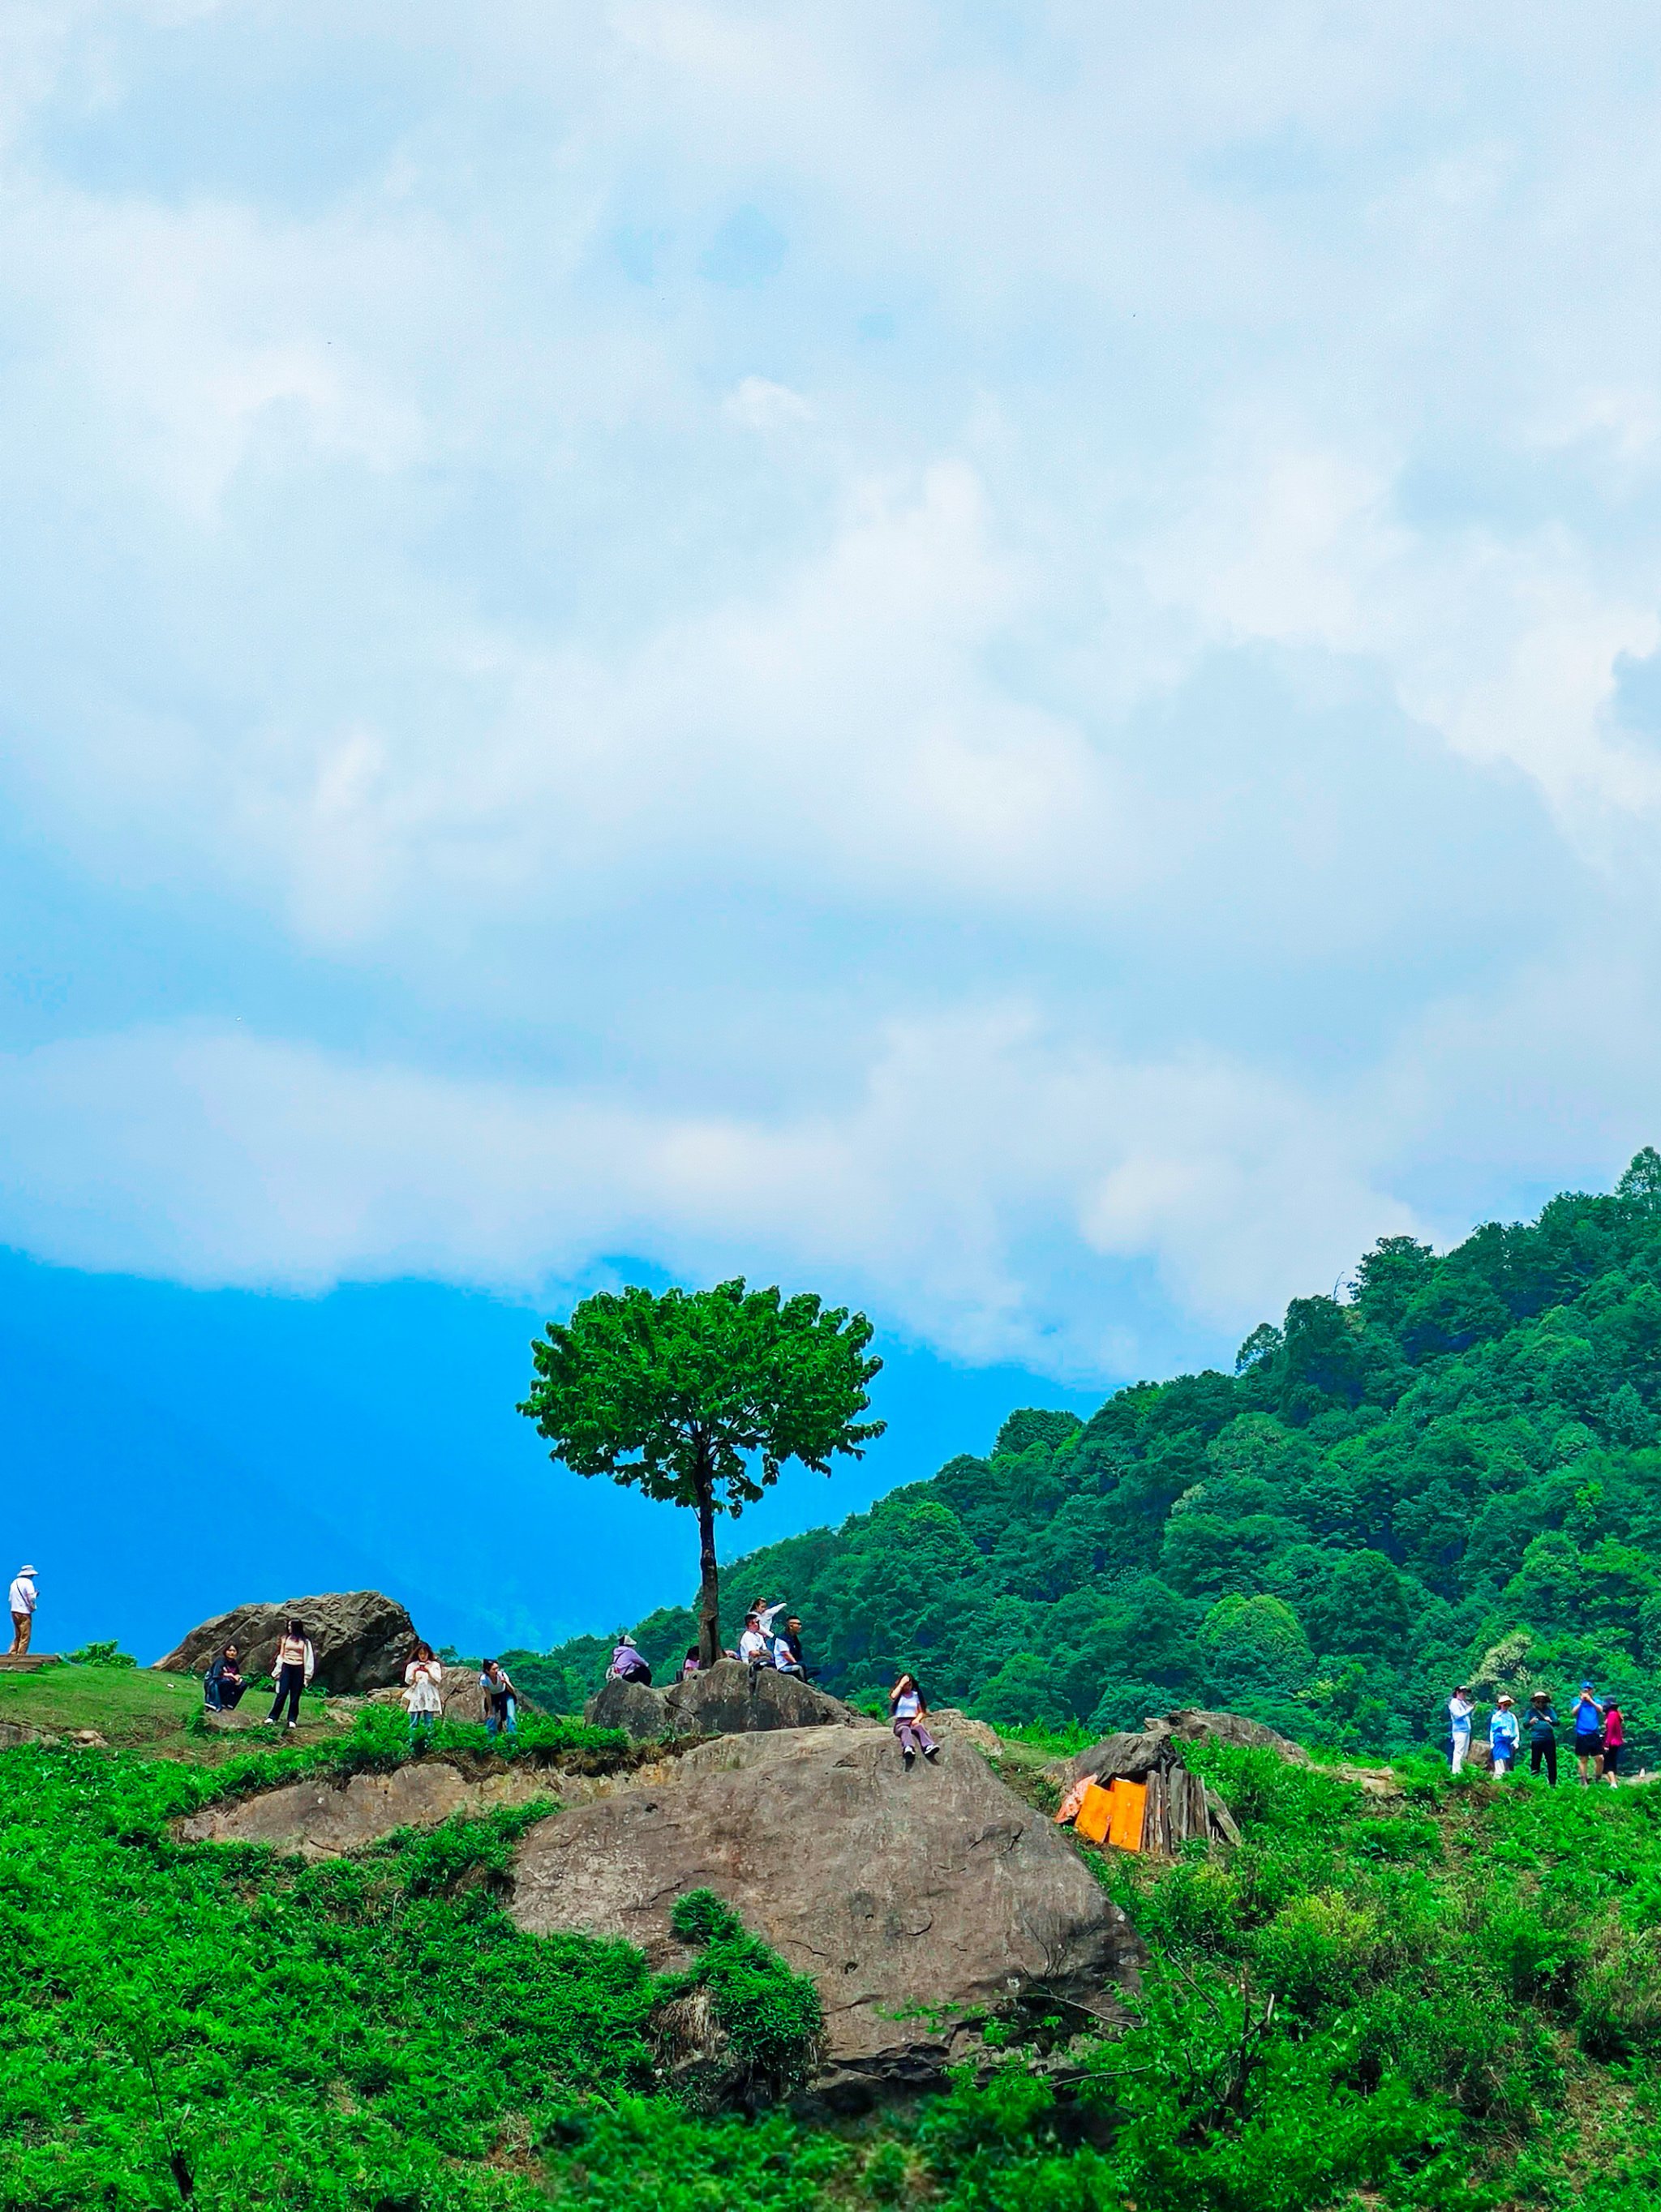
{"x": 1614, "y": 1735}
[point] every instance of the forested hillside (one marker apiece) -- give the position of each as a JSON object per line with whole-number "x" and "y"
{"x": 1451, "y": 1474}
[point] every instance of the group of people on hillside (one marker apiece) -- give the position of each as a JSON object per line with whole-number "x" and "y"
{"x": 762, "y": 1646}
{"x": 1599, "y": 1733}
{"x": 294, "y": 1661}
{"x": 424, "y": 1694}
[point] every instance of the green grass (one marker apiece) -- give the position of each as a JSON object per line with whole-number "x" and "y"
{"x": 1449, "y": 2004}
{"x": 125, "y": 1706}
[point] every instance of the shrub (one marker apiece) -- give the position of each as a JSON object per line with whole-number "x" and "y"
{"x": 100, "y": 1655}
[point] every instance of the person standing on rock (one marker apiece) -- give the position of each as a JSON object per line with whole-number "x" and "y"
{"x": 907, "y": 1704}
{"x": 23, "y": 1602}
{"x": 292, "y": 1666}
{"x": 423, "y": 1691}
{"x": 222, "y": 1685}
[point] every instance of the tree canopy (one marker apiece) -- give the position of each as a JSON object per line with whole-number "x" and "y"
{"x": 699, "y": 1398}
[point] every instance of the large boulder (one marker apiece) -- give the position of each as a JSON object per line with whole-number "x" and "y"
{"x": 912, "y": 1898}
{"x": 361, "y": 1640}
{"x": 637, "y": 1708}
{"x": 729, "y": 1698}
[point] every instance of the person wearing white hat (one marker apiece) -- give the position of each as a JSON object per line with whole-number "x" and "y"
{"x": 22, "y": 1611}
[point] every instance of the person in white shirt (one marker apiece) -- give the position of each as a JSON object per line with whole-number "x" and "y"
{"x": 1461, "y": 1706}
{"x": 908, "y": 1706}
{"x": 753, "y": 1647}
{"x": 292, "y": 1665}
{"x": 22, "y": 1601}
{"x": 423, "y": 1691}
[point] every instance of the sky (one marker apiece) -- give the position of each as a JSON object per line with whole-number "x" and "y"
{"x": 999, "y": 660}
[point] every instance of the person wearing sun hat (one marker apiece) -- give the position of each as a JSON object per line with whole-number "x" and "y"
{"x": 23, "y": 1603}
{"x": 1504, "y": 1734}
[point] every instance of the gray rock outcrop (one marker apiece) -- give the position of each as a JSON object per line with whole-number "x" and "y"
{"x": 361, "y": 1640}
{"x": 1138, "y": 1752}
{"x": 935, "y": 1893}
{"x": 728, "y": 1698}
{"x": 323, "y": 1818}
{"x": 1193, "y": 1725}
{"x": 637, "y": 1707}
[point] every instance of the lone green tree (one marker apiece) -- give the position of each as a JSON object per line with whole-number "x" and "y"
{"x": 699, "y": 1397}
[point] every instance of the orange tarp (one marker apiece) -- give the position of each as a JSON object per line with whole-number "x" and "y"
{"x": 1130, "y": 1806}
{"x": 1094, "y": 1815}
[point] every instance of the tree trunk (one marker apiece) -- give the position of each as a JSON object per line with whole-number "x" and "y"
{"x": 709, "y": 1578}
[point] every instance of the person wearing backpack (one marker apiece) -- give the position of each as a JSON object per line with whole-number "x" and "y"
{"x": 292, "y": 1664}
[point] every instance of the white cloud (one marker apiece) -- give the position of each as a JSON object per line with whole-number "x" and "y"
{"x": 977, "y": 1159}
{"x": 757, "y": 403}
{"x": 1151, "y": 546}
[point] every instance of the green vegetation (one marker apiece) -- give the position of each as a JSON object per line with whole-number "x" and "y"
{"x": 125, "y": 1706}
{"x": 698, "y": 1398}
{"x": 1453, "y": 1475}
{"x": 1450, "y": 2000}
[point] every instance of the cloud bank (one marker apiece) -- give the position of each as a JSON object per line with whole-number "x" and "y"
{"x": 1007, "y": 663}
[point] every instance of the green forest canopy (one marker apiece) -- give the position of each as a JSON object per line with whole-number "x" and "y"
{"x": 1452, "y": 1475}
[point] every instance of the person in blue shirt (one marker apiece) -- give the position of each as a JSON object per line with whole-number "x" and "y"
{"x": 1542, "y": 1725}
{"x": 1461, "y": 1706}
{"x": 1504, "y": 1734}
{"x": 1588, "y": 1734}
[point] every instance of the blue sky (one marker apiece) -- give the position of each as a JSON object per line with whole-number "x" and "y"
{"x": 1003, "y": 661}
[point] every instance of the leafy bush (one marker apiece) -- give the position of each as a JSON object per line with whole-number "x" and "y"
{"x": 100, "y": 1655}
{"x": 772, "y": 2018}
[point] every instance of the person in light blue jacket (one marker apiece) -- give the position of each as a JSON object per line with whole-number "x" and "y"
{"x": 1505, "y": 1735}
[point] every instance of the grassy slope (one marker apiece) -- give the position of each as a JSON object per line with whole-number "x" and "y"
{"x": 1467, "y": 2014}
{"x": 128, "y": 1706}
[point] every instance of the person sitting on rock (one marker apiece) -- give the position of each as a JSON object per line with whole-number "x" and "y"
{"x": 628, "y": 1665}
{"x": 787, "y": 1650}
{"x": 500, "y": 1698}
{"x": 222, "y": 1685}
{"x": 292, "y": 1664}
{"x": 907, "y": 1704}
{"x": 423, "y": 1691}
{"x": 753, "y": 1647}
{"x": 689, "y": 1665}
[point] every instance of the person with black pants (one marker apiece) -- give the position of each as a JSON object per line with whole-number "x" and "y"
{"x": 292, "y": 1665}
{"x": 1542, "y": 1737}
